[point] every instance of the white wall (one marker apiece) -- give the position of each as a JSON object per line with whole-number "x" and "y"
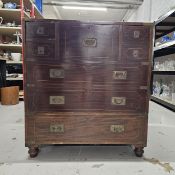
{"x": 151, "y": 10}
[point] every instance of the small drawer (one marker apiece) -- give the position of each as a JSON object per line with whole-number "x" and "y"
{"x": 136, "y": 35}
{"x": 39, "y": 50}
{"x": 136, "y": 54}
{"x": 90, "y": 129}
{"x": 40, "y": 30}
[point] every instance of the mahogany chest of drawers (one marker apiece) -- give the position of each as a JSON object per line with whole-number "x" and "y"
{"x": 86, "y": 83}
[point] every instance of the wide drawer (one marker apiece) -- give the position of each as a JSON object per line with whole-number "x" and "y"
{"x": 53, "y": 99}
{"x": 90, "y": 42}
{"x": 92, "y": 73}
{"x": 98, "y": 129}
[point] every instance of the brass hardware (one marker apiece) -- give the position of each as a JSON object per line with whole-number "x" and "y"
{"x": 56, "y": 73}
{"x": 117, "y": 128}
{"x": 136, "y": 34}
{"x": 118, "y": 101}
{"x": 57, "y": 128}
{"x": 90, "y": 42}
{"x": 41, "y": 50}
{"x": 135, "y": 53}
{"x": 119, "y": 75}
{"x": 56, "y": 100}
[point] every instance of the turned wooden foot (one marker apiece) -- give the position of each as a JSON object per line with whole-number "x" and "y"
{"x": 139, "y": 151}
{"x": 33, "y": 151}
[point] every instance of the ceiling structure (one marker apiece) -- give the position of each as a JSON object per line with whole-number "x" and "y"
{"x": 117, "y": 10}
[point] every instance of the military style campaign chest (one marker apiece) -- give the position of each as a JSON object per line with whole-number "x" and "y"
{"x": 86, "y": 83}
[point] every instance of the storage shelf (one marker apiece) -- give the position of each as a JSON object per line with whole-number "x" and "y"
{"x": 3, "y": 59}
{"x": 168, "y": 104}
{"x": 14, "y": 1}
{"x": 14, "y": 79}
{"x": 14, "y": 62}
{"x": 163, "y": 17}
{"x": 4, "y": 30}
{"x": 165, "y": 45}
{"x": 11, "y": 14}
{"x": 164, "y": 72}
{"x": 12, "y": 47}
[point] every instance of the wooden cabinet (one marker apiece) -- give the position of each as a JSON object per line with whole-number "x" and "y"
{"x": 86, "y": 83}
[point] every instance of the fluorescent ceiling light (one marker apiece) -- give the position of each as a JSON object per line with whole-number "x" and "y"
{"x": 84, "y": 8}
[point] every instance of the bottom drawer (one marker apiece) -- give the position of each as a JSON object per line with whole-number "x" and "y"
{"x": 85, "y": 129}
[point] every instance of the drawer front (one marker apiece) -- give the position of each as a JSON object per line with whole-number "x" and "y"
{"x": 136, "y": 35}
{"x": 41, "y": 51}
{"x": 53, "y": 99}
{"x": 90, "y": 42}
{"x": 90, "y": 129}
{"x": 135, "y": 54}
{"x": 40, "y": 30}
{"x": 92, "y": 74}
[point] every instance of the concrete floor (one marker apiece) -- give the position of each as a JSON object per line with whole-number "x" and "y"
{"x": 159, "y": 157}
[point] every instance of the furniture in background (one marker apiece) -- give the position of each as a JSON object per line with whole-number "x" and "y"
{"x": 86, "y": 83}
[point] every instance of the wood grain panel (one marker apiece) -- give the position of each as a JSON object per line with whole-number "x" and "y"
{"x": 94, "y": 129}
{"x": 106, "y": 38}
{"x": 91, "y": 73}
{"x": 87, "y": 100}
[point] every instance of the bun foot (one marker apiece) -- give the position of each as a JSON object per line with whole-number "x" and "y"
{"x": 139, "y": 151}
{"x": 33, "y": 151}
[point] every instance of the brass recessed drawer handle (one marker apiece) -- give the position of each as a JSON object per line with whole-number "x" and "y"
{"x": 117, "y": 128}
{"x": 118, "y": 101}
{"x": 90, "y": 42}
{"x": 119, "y": 75}
{"x": 56, "y": 100}
{"x": 57, "y": 128}
{"x": 56, "y": 73}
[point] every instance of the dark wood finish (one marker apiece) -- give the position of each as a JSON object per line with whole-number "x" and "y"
{"x": 86, "y": 83}
{"x": 139, "y": 151}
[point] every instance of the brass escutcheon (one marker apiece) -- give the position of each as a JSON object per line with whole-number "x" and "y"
{"x": 118, "y": 101}
{"x": 57, "y": 128}
{"x": 57, "y": 100}
{"x": 90, "y": 42}
{"x": 119, "y": 75}
{"x": 56, "y": 73}
{"x": 117, "y": 128}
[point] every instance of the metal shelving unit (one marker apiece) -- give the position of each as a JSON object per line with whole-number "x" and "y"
{"x": 16, "y": 15}
{"x": 165, "y": 25}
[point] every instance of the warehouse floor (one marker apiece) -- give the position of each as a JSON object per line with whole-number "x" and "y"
{"x": 159, "y": 157}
